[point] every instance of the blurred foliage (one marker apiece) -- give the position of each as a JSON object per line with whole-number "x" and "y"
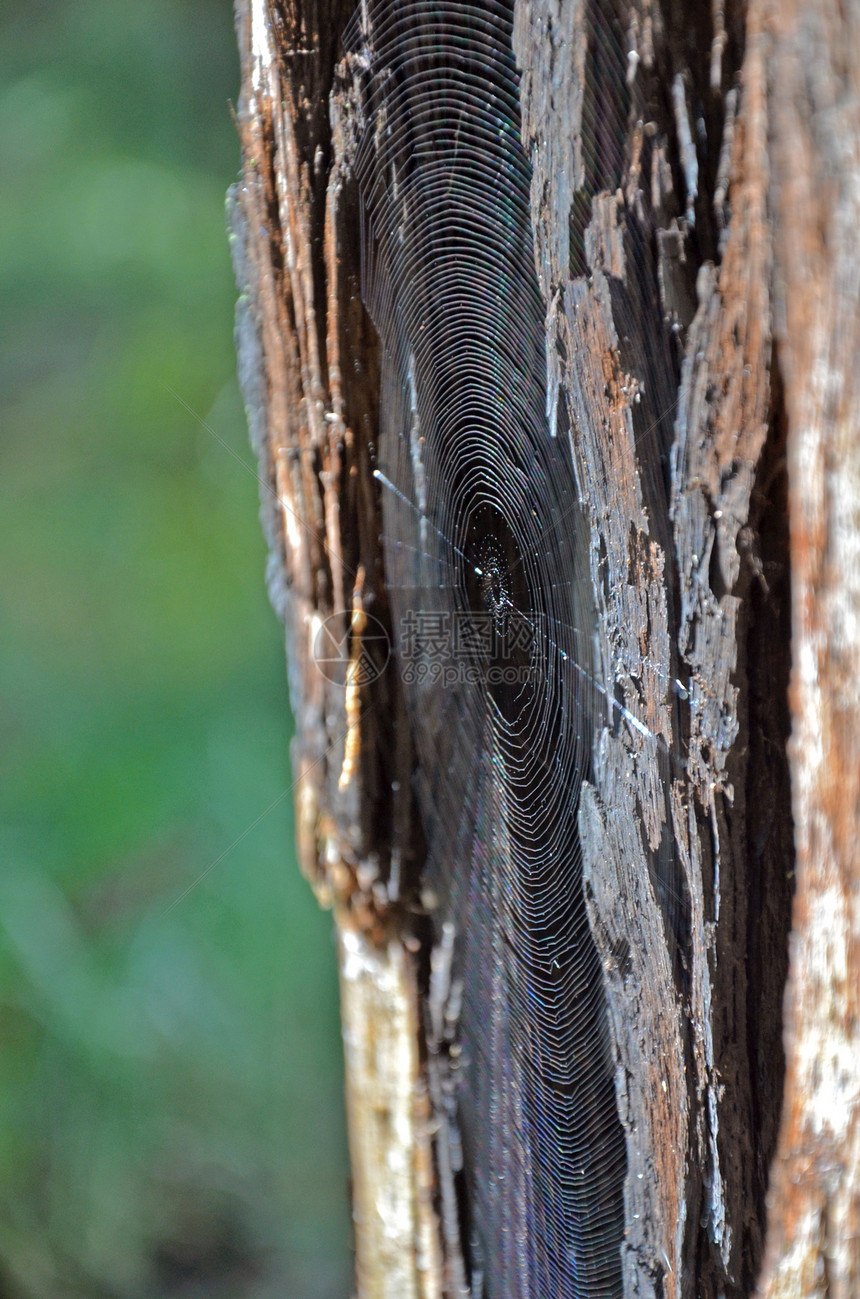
{"x": 170, "y": 1069}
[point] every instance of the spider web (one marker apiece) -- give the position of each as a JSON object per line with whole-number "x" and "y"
{"x": 486, "y": 553}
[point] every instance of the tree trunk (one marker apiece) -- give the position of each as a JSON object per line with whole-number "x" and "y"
{"x": 690, "y": 218}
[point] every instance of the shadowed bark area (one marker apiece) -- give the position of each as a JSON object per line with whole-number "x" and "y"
{"x": 694, "y": 232}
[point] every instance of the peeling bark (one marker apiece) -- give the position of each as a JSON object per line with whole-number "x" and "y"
{"x": 669, "y": 416}
{"x": 309, "y": 374}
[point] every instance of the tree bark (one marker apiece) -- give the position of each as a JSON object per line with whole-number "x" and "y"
{"x": 814, "y": 1222}
{"x": 694, "y": 219}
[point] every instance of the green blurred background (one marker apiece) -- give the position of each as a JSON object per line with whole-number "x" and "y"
{"x": 170, "y": 1068}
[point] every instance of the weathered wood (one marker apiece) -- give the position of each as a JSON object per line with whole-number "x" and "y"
{"x": 669, "y": 142}
{"x": 390, "y": 1121}
{"x": 814, "y": 1219}
{"x": 645, "y": 383}
{"x": 308, "y": 369}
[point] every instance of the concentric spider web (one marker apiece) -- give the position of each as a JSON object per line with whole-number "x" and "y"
{"x": 487, "y": 564}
